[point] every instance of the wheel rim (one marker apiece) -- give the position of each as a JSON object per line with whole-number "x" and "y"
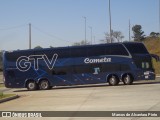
{"x": 44, "y": 85}
{"x": 112, "y": 80}
{"x": 31, "y": 85}
{"x": 127, "y": 79}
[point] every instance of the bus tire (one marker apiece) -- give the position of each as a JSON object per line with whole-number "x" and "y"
{"x": 113, "y": 80}
{"x": 44, "y": 85}
{"x": 31, "y": 85}
{"x": 127, "y": 79}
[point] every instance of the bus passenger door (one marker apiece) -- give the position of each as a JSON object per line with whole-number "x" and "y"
{"x": 97, "y": 74}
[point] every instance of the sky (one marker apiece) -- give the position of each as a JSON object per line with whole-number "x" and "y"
{"x": 61, "y": 22}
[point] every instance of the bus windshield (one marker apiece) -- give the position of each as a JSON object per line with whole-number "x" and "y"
{"x": 136, "y": 48}
{"x": 143, "y": 62}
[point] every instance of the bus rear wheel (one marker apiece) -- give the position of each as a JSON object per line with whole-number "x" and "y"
{"x": 127, "y": 79}
{"x": 113, "y": 80}
{"x": 31, "y": 85}
{"x": 44, "y": 85}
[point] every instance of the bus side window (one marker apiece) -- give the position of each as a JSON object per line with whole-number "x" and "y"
{"x": 125, "y": 67}
{"x": 62, "y": 70}
{"x": 82, "y": 69}
{"x": 111, "y": 67}
{"x": 93, "y": 51}
{"x": 77, "y": 52}
{"x": 59, "y": 72}
{"x": 53, "y": 72}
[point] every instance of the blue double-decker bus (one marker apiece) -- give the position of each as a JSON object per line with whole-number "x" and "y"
{"x": 77, "y": 65}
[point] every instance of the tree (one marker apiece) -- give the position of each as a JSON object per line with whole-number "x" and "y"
{"x": 116, "y": 36}
{"x": 138, "y": 33}
{"x": 38, "y": 47}
{"x": 81, "y": 43}
{"x": 108, "y": 38}
{"x": 154, "y": 34}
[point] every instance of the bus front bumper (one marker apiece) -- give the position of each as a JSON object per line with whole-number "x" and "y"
{"x": 146, "y": 75}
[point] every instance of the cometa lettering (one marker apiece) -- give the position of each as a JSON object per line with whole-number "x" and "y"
{"x": 101, "y": 60}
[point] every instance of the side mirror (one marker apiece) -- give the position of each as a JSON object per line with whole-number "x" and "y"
{"x": 156, "y": 57}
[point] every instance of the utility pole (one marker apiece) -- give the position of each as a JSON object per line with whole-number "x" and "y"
{"x": 29, "y": 35}
{"x": 129, "y": 30}
{"x": 110, "y": 23}
{"x": 85, "y": 20}
{"x": 91, "y": 34}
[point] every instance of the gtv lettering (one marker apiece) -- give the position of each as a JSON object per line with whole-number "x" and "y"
{"x": 23, "y": 63}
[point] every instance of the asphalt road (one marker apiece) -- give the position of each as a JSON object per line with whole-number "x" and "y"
{"x": 141, "y": 96}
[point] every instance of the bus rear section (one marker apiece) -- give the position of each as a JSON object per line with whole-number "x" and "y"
{"x": 13, "y": 78}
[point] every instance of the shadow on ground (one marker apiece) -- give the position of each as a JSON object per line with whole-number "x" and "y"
{"x": 94, "y": 85}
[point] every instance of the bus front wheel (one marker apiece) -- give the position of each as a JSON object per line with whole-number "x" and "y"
{"x": 113, "y": 80}
{"x": 44, "y": 85}
{"x": 127, "y": 79}
{"x": 31, "y": 85}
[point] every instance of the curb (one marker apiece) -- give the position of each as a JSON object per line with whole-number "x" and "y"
{"x": 9, "y": 98}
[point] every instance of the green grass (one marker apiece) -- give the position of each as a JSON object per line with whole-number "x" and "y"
{"x": 2, "y": 85}
{"x": 2, "y": 95}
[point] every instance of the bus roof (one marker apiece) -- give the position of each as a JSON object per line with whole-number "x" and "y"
{"x": 133, "y": 47}
{"x": 80, "y": 46}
